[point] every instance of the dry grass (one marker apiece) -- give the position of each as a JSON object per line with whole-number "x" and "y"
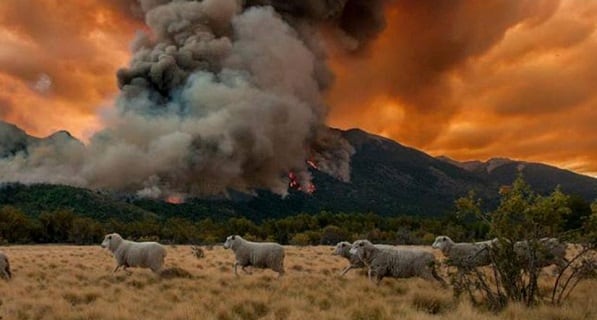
{"x": 70, "y": 282}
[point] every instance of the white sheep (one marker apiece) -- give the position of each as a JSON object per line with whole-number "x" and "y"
{"x": 135, "y": 254}
{"x": 343, "y": 250}
{"x": 263, "y": 255}
{"x": 549, "y": 251}
{"x": 397, "y": 263}
{"x": 464, "y": 255}
{"x": 4, "y": 266}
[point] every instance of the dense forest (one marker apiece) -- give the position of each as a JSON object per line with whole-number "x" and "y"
{"x": 60, "y": 214}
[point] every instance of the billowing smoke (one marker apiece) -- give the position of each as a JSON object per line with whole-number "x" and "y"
{"x": 219, "y": 95}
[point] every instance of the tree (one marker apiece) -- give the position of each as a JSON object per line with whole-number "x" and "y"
{"x": 15, "y": 226}
{"x": 522, "y": 215}
{"x": 56, "y": 225}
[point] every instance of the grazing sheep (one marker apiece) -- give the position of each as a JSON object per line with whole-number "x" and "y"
{"x": 549, "y": 251}
{"x": 135, "y": 254}
{"x": 397, "y": 263}
{"x": 464, "y": 255}
{"x": 4, "y": 266}
{"x": 343, "y": 249}
{"x": 257, "y": 254}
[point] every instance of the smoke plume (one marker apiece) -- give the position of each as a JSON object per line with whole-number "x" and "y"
{"x": 219, "y": 95}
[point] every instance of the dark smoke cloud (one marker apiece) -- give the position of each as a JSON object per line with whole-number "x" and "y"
{"x": 219, "y": 95}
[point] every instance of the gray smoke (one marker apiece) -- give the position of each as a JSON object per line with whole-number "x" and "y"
{"x": 219, "y": 95}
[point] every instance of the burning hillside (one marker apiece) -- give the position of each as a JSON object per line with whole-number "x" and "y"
{"x": 218, "y": 95}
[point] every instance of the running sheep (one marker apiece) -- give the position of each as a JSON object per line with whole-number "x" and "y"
{"x": 343, "y": 250}
{"x": 265, "y": 255}
{"x": 4, "y": 267}
{"x": 464, "y": 255}
{"x": 549, "y": 251}
{"x": 135, "y": 254}
{"x": 397, "y": 263}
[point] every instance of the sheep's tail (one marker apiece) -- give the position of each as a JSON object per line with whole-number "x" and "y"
{"x": 174, "y": 272}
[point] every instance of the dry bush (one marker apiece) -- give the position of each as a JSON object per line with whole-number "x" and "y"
{"x": 72, "y": 282}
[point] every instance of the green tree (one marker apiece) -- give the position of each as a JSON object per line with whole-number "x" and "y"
{"x": 180, "y": 230}
{"x": 15, "y": 226}
{"x": 86, "y": 230}
{"x": 56, "y": 225}
{"x": 522, "y": 219}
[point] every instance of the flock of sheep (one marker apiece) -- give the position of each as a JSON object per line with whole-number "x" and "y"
{"x": 380, "y": 260}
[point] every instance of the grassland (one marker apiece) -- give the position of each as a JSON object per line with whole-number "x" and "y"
{"x": 73, "y": 282}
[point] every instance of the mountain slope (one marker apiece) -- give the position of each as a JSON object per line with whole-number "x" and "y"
{"x": 543, "y": 178}
{"x": 387, "y": 178}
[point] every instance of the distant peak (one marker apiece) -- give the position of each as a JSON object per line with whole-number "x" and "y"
{"x": 61, "y": 133}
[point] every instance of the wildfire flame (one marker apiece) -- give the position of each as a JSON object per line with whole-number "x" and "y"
{"x": 175, "y": 199}
{"x": 295, "y": 184}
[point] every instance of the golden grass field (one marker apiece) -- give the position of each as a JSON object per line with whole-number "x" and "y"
{"x": 76, "y": 282}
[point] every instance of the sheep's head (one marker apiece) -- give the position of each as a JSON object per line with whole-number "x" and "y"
{"x": 231, "y": 241}
{"x": 361, "y": 248}
{"x": 441, "y": 242}
{"x": 342, "y": 249}
{"x": 111, "y": 241}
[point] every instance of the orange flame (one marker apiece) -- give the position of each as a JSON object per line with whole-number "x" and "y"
{"x": 175, "y": 199}
{"x": 295, "y": 184}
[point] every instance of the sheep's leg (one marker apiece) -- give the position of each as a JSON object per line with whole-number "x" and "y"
{"x": 126, "y": 270}
{"x": 244, "y": 268}
{"x": 116, "y": 269}
{"x": 369, "y": 272}
{"x": 378, "y": 279}
{"x": 235, "y": 266}
{"x": 345, "y": 270}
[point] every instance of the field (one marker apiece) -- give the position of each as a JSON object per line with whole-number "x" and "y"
{"x": 74, "y": 282}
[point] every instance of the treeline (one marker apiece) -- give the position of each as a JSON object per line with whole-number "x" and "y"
{"x": 465, "y": 223}
{"x": 66, "y": 226}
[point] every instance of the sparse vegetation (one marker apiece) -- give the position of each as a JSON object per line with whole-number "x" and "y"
{"x": 527, "y": 227}
{"x": 81, "y": 286}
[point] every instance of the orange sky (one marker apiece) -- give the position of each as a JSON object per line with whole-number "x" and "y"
{"x": 467, "y": 79}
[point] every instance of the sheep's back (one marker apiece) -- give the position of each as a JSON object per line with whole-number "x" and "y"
{"x": 266, "y": 254}
{"x": 402, "y": 263}
{"x": 469, "y": 254}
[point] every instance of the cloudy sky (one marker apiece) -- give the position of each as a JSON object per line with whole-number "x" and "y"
{"x": 466, "y": 79}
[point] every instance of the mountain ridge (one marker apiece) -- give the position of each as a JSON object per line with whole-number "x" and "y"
{"x": 387, "y": 178}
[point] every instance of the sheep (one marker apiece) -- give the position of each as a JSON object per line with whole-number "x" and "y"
{"x": 135, "y": 254}
{"x": 464, "y": 255}
{"x": 397, "y": 263}
{"x": 4, "y": 267}
{"x": 265, "y": 255}
{"x": 549, "y": 251}
{"x": 343, "y": 249}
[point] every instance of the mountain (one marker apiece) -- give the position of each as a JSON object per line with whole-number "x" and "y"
{"x": 540, "y": 176}
{"x": 387, "y": 178}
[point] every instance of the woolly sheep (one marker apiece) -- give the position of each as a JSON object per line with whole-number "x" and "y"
{"x": 343, "y": 250}
{"x": 397, "y": 263}
{"x": 135, "y": 254}
{"x": 4, "y": 266}
{"x": 464, "y": 254}
{"x": 549, "y": 251}
{"x": 265, "y": 255}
